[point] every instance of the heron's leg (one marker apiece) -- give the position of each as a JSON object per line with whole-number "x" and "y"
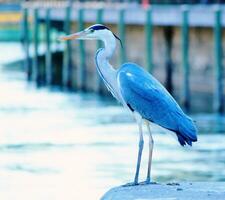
{"x": 141, "y": 145}
{"x": 151, "y": 144}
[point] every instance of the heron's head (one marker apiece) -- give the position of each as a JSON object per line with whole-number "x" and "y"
{"x": 94, "y": 32}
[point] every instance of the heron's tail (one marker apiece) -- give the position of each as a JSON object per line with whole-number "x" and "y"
{"x": 187, "y": 132}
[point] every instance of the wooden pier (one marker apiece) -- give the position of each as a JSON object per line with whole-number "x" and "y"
{"x": 76, "y": 70}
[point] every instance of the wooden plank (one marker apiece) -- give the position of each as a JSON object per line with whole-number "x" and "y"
{"x": 199, "y": 16}
{"x": 218, "y": 97}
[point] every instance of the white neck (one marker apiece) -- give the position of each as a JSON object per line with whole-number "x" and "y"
{"x": 105, "y": 69}
{"x": 110, "y": 45}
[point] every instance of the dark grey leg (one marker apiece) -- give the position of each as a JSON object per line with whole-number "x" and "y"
{"x": 141, "y": 145}
{"x": 151, "y": 144}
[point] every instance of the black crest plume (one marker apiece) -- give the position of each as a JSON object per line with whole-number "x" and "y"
{"x": 118, "y": 39}
{"x": 102, "y": 27}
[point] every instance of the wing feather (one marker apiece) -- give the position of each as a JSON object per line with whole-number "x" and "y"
{"x": 147, "y": 96}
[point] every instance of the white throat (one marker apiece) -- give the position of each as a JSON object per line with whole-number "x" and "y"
{"x": 105, "y": 69}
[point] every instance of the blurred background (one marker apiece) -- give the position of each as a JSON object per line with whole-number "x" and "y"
{"x": 63, "y": 136}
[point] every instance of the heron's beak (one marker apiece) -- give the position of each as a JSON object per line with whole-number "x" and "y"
{"x": 79, "y": 35}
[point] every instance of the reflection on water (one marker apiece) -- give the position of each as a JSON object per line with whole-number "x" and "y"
{"x": 76, "y": 146}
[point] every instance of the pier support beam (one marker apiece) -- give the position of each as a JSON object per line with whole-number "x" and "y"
{"x": 122, "y": 33}
{"x": 185, "y": 57}
{"x": 82, "y": 70}
{"x": 149, "y": 37}
{"x": 218, "y": 96}
{"x": 35, "y": 68}
{"x": 48, "y": 54}
{"x": 168, "y": 33}
{"x": 26, "y": 42}
{"x": 99, "y": 20}
{"x": 67, "y": 59}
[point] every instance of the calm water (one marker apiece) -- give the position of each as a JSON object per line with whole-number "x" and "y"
{"x": 56, "y": 145}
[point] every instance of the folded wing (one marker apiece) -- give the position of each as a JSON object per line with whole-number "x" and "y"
{"x": 144, "y": 94}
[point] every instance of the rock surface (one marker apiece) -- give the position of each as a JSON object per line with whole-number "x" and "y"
{"x": 170, "y": 191}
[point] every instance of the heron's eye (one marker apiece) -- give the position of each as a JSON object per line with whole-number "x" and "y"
{"x": 92, "y": 30}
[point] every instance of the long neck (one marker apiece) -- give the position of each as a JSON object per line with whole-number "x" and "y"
{"x": 105, "y": 69}
{"x": 103, "y": 55}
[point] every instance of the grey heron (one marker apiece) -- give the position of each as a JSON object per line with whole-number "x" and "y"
{"x": 139, "y": 92}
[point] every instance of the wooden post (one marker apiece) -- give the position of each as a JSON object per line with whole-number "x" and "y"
{"x": 168, "y": 32}
{"x": 185, "y": 56}
{"x": 82, "y": 51}
{"x": 218, "y": 96}
{"x": 26, "y": 42}
{"x": 67, "y": 59}
{"x": 100, "y": 85}
{"x": 149, "y": 36}
{"x": 48, "y": 55}
{"x": 35, "y": 68}
{"x": 121, "y": 30}
{"x": 99, "y": 21}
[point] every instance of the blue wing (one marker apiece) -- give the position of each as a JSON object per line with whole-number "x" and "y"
{"x": 144, "y": 94}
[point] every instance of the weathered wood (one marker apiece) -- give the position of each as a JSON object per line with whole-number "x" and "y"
{"x": 67, "y": 58}
{"x": 218, "y": 97}
{"x": 149, "y": 35}
{"x": 82, "y": 64}
{"x": 99, "y": 20}
{"x": 48, "y": 54}
{"x": 35, "y": 68}
{"x": 185, "y": 57}
{"x": 168, "y": 33}
{"x": 26, "y": 43}
{"x": 184, "y": 18}
{"x": 166, "y": 15}
{"x": 122, "y": 34}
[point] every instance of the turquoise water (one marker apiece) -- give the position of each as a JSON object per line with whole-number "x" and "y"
{"x": 59, "y": 145}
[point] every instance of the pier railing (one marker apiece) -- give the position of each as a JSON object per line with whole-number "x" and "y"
{"x": 185, "y": 17}
{"x": 159, "y": 2}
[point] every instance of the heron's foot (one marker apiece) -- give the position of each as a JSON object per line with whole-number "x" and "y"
{"x": 130, "y": 184}
{"x": 147, "y": 182}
